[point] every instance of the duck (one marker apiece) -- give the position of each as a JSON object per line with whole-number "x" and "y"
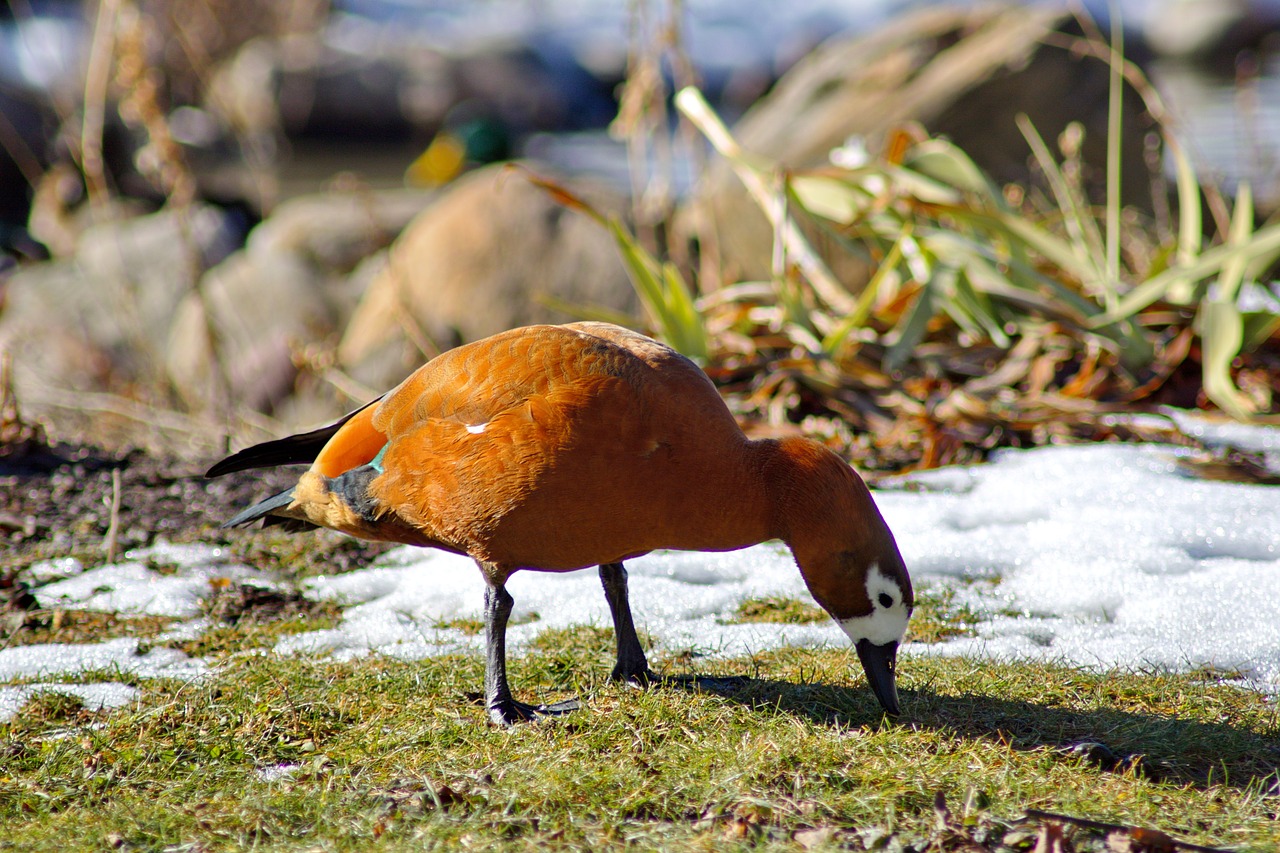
{"x": 554, "y": 448}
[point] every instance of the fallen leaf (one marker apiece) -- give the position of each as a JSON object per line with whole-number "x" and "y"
{"x": 1139, "y": 840}
{"x": 737, "y": 828}
{"x": 1052, "y": 839}
{"x": 811, "y": 838}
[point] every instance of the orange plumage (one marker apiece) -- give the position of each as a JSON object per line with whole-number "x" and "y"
{"x": 556, "y": 448}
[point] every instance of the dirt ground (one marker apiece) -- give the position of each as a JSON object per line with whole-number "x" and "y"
{"x": 57, "y": 501}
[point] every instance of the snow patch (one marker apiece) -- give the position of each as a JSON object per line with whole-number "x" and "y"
{"x": 94, "y": 697}
{"x": 1109, "y": 555}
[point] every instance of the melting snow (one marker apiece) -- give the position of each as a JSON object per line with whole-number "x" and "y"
{"x": 93, "y": 697}
{"x": 136, "y": 588}
{"x": 277, "y": 772}
{"x": 1109, "y": 556}
{"x": 123, "y": 656}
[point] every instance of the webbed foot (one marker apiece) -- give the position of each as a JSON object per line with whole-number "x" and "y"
{"x": 639, "y": 676}
{"x": 509, "y": 712}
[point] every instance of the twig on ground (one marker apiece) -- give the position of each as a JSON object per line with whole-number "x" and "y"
{"x": 1148, "y": 839}
{"x": 113, "y": 529}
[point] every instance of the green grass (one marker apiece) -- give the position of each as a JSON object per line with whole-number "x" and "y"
{"x": 254, "y": 634}
{"x": 399, "y": 753}
{"x": 790, "y": 611}
{"x": 58, "y": 625}
{"x": 938, "y": 616}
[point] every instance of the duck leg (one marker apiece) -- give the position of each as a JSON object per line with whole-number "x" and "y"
{"x": 632, "y": 665}
{"x": 503, "y": 709}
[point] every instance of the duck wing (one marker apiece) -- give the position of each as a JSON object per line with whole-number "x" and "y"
{"x": 475, "y": 383}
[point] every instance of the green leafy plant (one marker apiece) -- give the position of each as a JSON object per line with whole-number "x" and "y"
{"x": 945, "y": 233}
{"x": 666, "y": 297}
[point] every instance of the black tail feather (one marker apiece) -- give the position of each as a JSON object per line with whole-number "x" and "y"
{"x": 292, "y": 450}
{"x": 262, "y": 509}
{"x": 288, "y": 525}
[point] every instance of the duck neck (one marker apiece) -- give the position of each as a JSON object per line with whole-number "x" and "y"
{"x": 821, "y": 508}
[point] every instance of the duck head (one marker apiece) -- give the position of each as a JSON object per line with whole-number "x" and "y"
{"x": 871, "y": 601}
{"x": 847, "y": 556}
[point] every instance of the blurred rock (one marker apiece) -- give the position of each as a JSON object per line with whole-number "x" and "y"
{"x": 483, "y": 259}
{"x": 234, "y": 342}
{"x": 335, "y": 231}
{"x": 102, "y": 316}
{"x": 964, "y": 72}
{"x": 152, "y": 260}
{"x": 288, "y": 288}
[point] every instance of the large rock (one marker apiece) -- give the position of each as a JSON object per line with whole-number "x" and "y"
{"x": 144, "y": 267}
{"x": 335, "y": 231}
{"x": 486, "y": 257}
{"x": 235, "y": 339}
{"x": 100, "y": 319}
{"x": 963, "y": 72}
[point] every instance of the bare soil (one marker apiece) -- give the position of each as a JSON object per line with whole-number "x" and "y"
{"x": 57, "y": 501}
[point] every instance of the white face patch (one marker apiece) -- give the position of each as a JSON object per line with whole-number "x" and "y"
{"x": 883, "y": 624}
{"x": 476, "y": 429}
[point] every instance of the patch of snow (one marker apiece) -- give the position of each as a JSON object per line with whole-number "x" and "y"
{"x": 1120, "y": 562}
{"x": 134, "y": 588}
{"x": 1222, "y": 433}
{"x": 679, "y": 597}
{"x": 1229, "y": 434}
{"x": 46, "y": 571}
{"x": 47, "y": 660}
{"x": 94, "y": 697}
{"x": 277, "y": 772}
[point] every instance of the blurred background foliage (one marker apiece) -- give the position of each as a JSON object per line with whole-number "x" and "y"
{"x": 914, "y": 294}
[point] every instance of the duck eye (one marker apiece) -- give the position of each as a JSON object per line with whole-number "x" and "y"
{"x": 886, "y": 600}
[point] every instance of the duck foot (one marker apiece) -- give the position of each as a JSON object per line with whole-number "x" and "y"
{"x": 643, "y": 677}
{"x": 510, "y": 712}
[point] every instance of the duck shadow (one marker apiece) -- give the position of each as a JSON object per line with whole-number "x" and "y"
{"x": 1160, "y": 748}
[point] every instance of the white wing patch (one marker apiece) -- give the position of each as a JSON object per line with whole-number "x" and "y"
{"x": 476, "y": 429}
{"x": 883, "y": 624}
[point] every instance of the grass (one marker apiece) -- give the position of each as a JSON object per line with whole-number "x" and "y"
{"x": 791, "y": 611}
{"x": 399, "y": 753}
{"x": 321, "y": 553}
{"x": 76, "y": 626}
{"x": 938, "y": 616}
{"x": 256, "y": 634}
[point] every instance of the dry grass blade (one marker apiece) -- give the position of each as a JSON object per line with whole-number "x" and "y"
{"x": 753, "y": 176}
{"x": 662, "y": 289}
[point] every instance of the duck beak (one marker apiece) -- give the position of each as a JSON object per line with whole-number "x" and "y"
{"x": 880, "y": 663}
